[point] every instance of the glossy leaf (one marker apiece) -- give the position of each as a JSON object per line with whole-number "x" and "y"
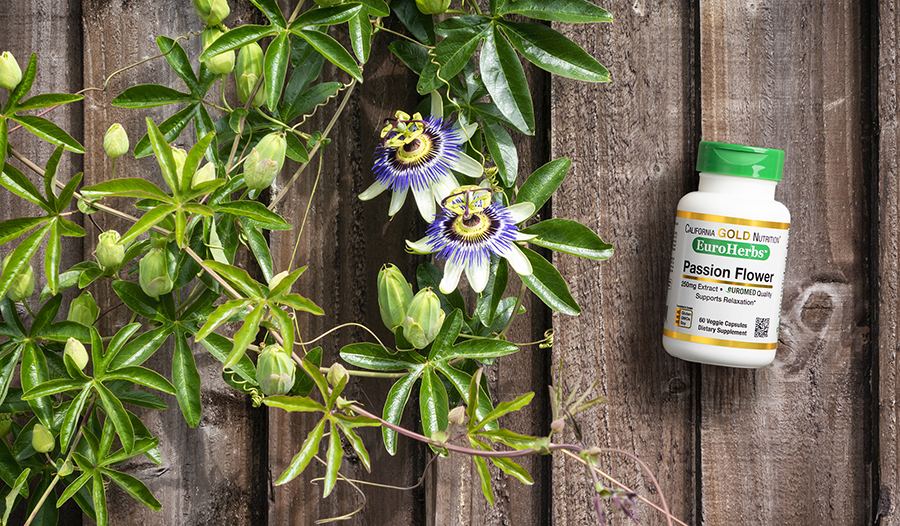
{"x": 135, "y": 298}
{"x": 428, "y": 275}
{"x": 504, "y": 408}
{"x": 47, "y": 100}
{"x": 4, "y": 136}
{"x": 555, "y": 10}
{"x": 238, "y": 277}
{"x": 285, "y": 326}
{"x": 541, "y": 184}
{"x": 255, "y": 212}
{"x": 219, "y": 346}
{"x": 326, "y": 16}
{"x": 140, "y": 349}
{"x": 34, "y": 372}
{"x": 73, "y": 488}
{"x": 16, "y": 182}
{"x": 376, "y": 358}
{"x": 394, "y": 405}
{"x": 150, "y": 96}
{"x": 571, "y": 237}
{"x": 548, "y": 285}
{"x": 237, "y": 37}
{"x": 171, "y": 128}
{"x": 361, "y": 452}
{"x": 116, "y": 412}
{"x": 333, "y": 460}
{"x": 305, "y": 455}
{"x": 485, "y": 476}
{"x": 295, "y": 404}
{"x": 331, "y": 50}
{"x": 164, "y": 157}
{"x": 277, "y": 56}
{"x": 125, "y": 187}
{"x": 70, "y": 421}
{"x": 505, "y": 80}
{"x": 222, "y": 314}
{"x": 490, "y": 298}
{"x": 462, "y": 35}
{"x": 192, "y": 161}
{"x": 448, "y": 334}
{"x": 133, "y": 487}
{"x": 549, "y": 50}
{"x": 25, "y": 84}
{"x": 245, "y": 335}
{"x": 179, "y": 61}
{"x": 272, "y": 11}
{"x": 361, "y": 36}
{"x": 142, "y": 376}
{"x": 147, "y": 221}
{"x": 503, "y": 150}
{"x": 418, "y": 23}
{"x": 433, "y": 404}
{"x": 186, "y": 380}
{"x": 8, "y": 363}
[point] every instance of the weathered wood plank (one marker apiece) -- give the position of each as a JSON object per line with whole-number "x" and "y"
{"x": 344, "y": 242}
{"x": 886, "y": 276}
{"x": 632, "y": 143}
{"x": 211, "y": 474}
{"x": 787, "y": 444}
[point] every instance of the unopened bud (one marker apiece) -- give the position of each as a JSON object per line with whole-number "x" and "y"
{"x": 66, "y": 468}
{"x": 432, "y": 7}
{"x": 115, "y": 142}
{"x": 212, "y": 11}
{"x": 394, "y": 296}
{"x": 336, "y": 374}
{"x": 264, "y": 162}
{"x": 223, "y": 63}
{"x": 440, "y": 436}
{"x": 207, "y": 173}
{"x": 84, "y": 309}
{"x": 10, "y": 73}
{"x": 22, "y": 285}
{"x": 275, "y": 371}
{"x": 558, "y": 425}
{"x": 75, "y": 350}
{"x": 594, "y": 451}
{"x": 154, "y": 274}
{"x": 457, "y": 415}
{"x": 180, "y": 156}
{"x": 109, "y": 252}
{"x": 424, "y": 319}
{"x": 42, "y": 439}
{"x": 249, "y": 68}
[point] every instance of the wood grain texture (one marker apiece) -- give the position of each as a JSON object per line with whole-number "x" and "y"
{"x": 886, "y": 275}
{"x": 210, "y": 474}
{"x": 632, "y": 145}
{"x": 788, "y": 444}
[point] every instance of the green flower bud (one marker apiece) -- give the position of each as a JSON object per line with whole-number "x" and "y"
{"x": 84, "y": 309}
{"x": 10, "y": 74}
{"x": 42, "y": 439}
{"x": 275, "y": 371}
{"x": 23, "y": 285}
{"x": 180, "y": 156}
{"x": 457, "y": 415}
{"x": 433, "y": 7}
{"x": 249, "y": 69}
{"x": 66, "y": 468}
{"x": 109, "y": 252}
{"x": 424, "y": 319}
{"x": 75, "y": 350}
{"x": 558, "y": 425}
{"x": 154, "y": 274}
{"x": 115, "y": 142}
{"x": 394, "y": 296}
{"x": 265, "y": 161}
{"x": 212, "y": 11}
{"x": 336, "y": 374}
{"x": 223, "y": 63}
{"x": 207, "y": 173}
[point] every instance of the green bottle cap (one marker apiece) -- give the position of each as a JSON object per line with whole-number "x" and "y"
{"x": 743, "y": 161}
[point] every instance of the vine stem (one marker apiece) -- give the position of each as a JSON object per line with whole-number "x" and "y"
{"x": 315, "y": 149}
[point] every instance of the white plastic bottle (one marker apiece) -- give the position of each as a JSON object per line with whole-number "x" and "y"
{"x": 728, "y": 260}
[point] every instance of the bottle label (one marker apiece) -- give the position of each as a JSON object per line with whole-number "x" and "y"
{"x": 725, "y": 281}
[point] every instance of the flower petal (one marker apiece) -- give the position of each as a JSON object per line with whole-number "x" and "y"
{"x": 465, "y": 129}
{"x": 524, "y": 237}
{"x": 478, "y": 272}
{"x": 425, "y": 202}
{"x": 452, "y": 272}
{"x": 521, "y": 211}
{"x": 467, "y": 166}
{"x": 376, "y": 188}
{"x": 397, "y": 200}
{"x": 437, "y": 104}
{"x": 517, "y": 260}
{"x": 444, "y": 186}
{"x": 421, "y": 246}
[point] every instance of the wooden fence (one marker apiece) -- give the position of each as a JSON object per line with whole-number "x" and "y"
{"x": 810, "y": 440}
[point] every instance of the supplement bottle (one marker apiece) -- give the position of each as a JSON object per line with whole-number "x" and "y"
{"x": 728, "y": 259}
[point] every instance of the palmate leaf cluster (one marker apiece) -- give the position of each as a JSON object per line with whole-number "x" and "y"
{"x": 468, "y": 61}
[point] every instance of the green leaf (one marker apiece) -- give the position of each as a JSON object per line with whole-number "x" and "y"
{"x": 302, "y": 102}
{"x": 171, "y": 128}
{"x": 49, "y": 132}
{"x": 141, "y": 348}
{"x": 573, "y": 11}
{"x": 571, "y": 237}
{"x": 361, "y": 36}
{"x": 133, "y": 487}
{"x": 73, "y": 488}
{"x": 331, "y": 50}
{"x": 34, "y": 372}
{"x": 142, "y": 376}
{"x": 51, "y": 387}
{"x": 219, "y": 346}
{"x": 509, "y": 438}
{"x": 16, "y": 182}
{"x": 239, "y": 278}
{"x": 19, "y": 487}
{"x": 327, "y": 16}
{"x": 256, "y": 212}
{"x": 489, "y": 299}
{"x": 462, "y": 35}
{"x": 504, "y": 408}
{"x": 50, "y": 177}
{"x": 221, "y": 315}
{"x": 278, "y": 54}
{"x": 505, "y": 80}
{"x": 25, "y": 84}
{"x": 245, "y": 335}
{"x": 116, "y": 412}
{"x": 73, "y": 415}
{"x": 164, "y": 157}
{"x": 133, "y": 296}
{"x": 186, "y": 379}
{"x": 548, "y": 285}
{"x": 305, "y": 383}
{"x": 448, "y": 334}
{"x": 150, "y": 96}
{"x": 509, "y": 467}
{"x": 4, "y": 135}
{"x": 147, "y": 221}
{"x": 285, "y": 325}
{"x": 126, "y": 187}
{"x": 46, "y": 314}
{"x": 47, "y": 100}
{"x": 465, "y": 385}
{"x": 418, "y": 23}
{"x": 479, "y": 349}
{"x": 98, "y": 493}
{"x": 46, "y": 515}
{"x": 376, "y": 7}
{"x": 485, "y": 476}
{"x": 393, "y": 409}
{"x": 298, "y": 302}
{"x": 295, "y": 404}
{"x": 8, "y": 364}
{"x": 551, "y": 51}
{"x": 503, "y": 150}
{"x": 433, "y": 404}
{"x": 272, "y": 11}
{"x": 65, "y": 198}
{"x": 193, "y": 160}
{"x": 333, "y": 460}
{"x": 428, "y": 275}
{"x": 541, "y": 184}
{"x": 376, "y": 358}
{"x": 179, "y": 61}
{"x": 307, "y": 452}
{"x": 237, "y": 37}
{"x": 361, "y": 452}
{"x": 285, "y": 284}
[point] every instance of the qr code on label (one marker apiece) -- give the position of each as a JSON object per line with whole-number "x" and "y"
{"x": 762, "y": 328}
